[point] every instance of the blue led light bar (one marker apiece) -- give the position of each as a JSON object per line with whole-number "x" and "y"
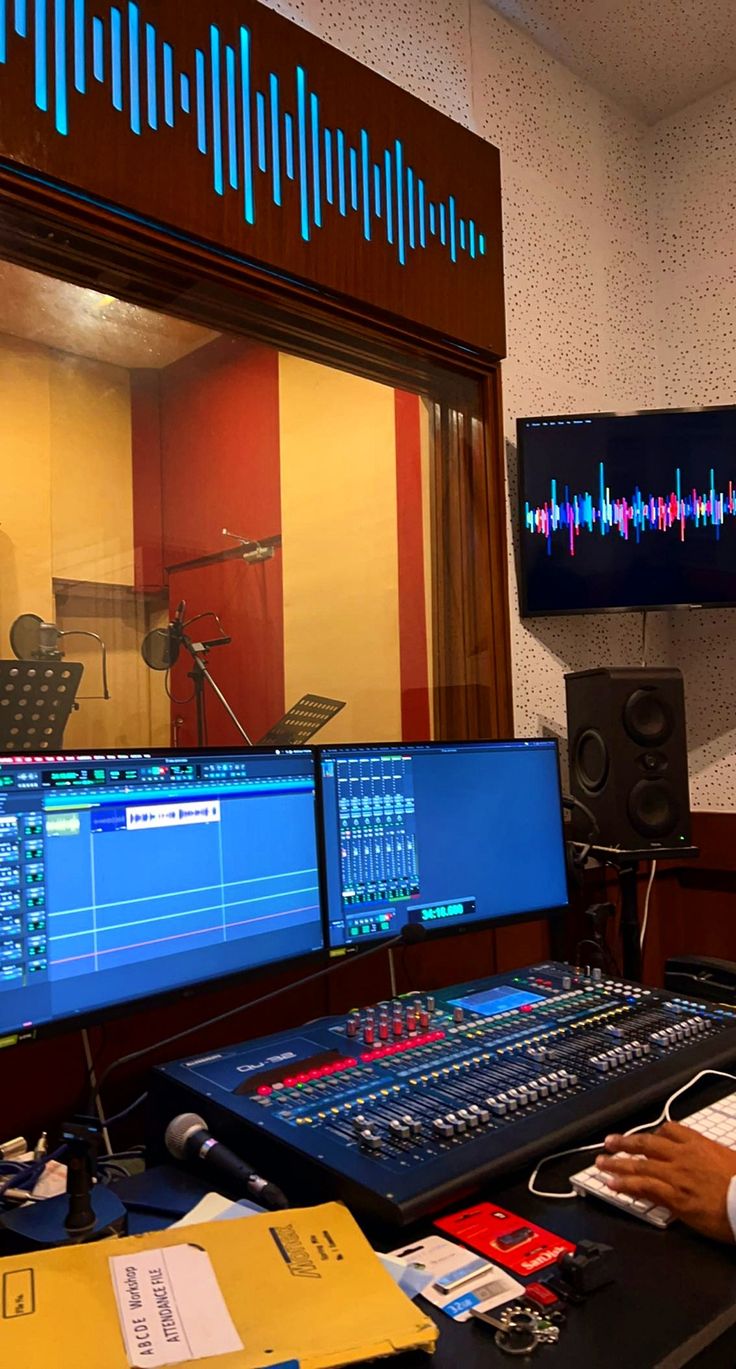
{"x": 333, "y": 171}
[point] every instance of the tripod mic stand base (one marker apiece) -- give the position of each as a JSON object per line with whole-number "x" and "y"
{"x": 42, "y": 1225}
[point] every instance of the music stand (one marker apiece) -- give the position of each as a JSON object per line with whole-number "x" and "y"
{"x": 36, "y": 698}
{"x": 303, "y": 720}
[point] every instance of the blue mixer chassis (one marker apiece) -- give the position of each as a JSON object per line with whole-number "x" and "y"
{"x": 402, "y": 1107}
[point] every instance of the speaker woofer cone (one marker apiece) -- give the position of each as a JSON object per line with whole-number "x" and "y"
{"x": 648, "y": 718}
{"x": 591, "y": 761}
{"x": 653, "y": 808}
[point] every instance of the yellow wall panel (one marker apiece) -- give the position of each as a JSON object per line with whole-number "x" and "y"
{"x": 25, "y": 483}
{"x": 338, "y": 492}
{"x": 91, "y": 471}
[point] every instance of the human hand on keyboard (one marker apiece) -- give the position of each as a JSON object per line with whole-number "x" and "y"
{"x": 677, "y": 1168}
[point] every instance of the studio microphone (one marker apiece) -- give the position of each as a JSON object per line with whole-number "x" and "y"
{"x": 177, "y": 625}
{"x": 187, "y": 1138}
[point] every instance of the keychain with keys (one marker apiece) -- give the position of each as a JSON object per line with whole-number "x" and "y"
{"x": 518, "y": 1330}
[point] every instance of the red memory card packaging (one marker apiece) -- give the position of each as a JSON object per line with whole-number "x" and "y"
{"x": 508, "y": 1240}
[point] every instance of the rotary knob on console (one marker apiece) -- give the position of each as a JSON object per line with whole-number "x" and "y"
{"x": 458, "y": 1016}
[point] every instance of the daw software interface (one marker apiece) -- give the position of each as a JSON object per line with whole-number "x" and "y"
{"x": 127, "y": 876}
{"x": 443, "y": 835}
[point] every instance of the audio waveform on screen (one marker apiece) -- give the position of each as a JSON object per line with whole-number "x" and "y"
{"x": 678, "y": 511}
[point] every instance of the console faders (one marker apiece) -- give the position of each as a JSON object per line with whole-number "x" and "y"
{"x": 403, "y": 1103}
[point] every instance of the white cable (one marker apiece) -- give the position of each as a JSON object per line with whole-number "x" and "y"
{"x": 576, "y": 1150}
{"x": 664, "y": 1116}
{"x": 645, "y": 919}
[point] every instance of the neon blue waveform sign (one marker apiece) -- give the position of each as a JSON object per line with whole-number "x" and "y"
{"x": 256, "y": 141}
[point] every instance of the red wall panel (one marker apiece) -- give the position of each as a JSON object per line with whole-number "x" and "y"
{"x": 220, "y": 468}
{"x": 415, "y": 706}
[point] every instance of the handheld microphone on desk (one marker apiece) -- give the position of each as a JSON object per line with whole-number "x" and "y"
{"x": 187, "y": 1138}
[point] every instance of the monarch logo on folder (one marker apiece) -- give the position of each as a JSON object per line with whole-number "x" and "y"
{"x": 19, "y": 1294}
{"x": 294, "y": 1253}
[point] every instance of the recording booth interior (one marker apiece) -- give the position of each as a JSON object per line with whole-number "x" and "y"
{"x": 367, "y": 774}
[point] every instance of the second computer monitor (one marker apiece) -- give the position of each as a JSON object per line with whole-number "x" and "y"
{"x": 439, "y": 835}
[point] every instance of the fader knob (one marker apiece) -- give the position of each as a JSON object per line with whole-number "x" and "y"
{"x": 468, "y": 1117}
{"x": 457, "y": 1123}
{"x": 399, "y": 1129}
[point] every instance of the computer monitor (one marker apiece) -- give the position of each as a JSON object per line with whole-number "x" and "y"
{"x": 125, "y": 876}
{"x": 443, "y": 835}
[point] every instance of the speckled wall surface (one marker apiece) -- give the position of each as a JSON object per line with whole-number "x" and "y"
{"x": 620, "y": 264}
{"x": 692, "y": 217}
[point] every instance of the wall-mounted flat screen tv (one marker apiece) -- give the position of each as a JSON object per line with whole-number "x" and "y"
{"x": 627, "y": 511}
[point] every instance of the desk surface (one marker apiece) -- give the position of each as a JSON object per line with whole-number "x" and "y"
{"x": 674, "y": 1297}
{"x": 673, "y": 1302}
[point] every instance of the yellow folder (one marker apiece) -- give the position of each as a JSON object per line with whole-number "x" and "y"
{"x": 302, "y": 1288}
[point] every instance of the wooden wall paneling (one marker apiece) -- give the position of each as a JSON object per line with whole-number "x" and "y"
{"x": 234, "y": 126}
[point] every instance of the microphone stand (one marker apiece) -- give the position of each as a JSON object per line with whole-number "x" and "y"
{"x": 199, "y": 675}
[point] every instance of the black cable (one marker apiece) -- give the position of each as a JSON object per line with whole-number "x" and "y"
{"x": 570, "y": 802}
{"x": 110, "y": 1121}
{"x": 225, "y": 1016}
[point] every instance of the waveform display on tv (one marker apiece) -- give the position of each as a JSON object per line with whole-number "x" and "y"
{"x": 628, "y": 510}
{"x": 604, "y": 513}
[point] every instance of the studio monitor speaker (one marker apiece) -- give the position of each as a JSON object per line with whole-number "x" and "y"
{"x": 628, "y": 755}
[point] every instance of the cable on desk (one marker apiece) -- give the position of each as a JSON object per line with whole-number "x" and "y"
{"x": 664, "y": 1116}
{"x": 234, "y": 1012}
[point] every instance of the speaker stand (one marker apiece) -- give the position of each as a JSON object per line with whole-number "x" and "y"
{"x": 626, "y": 865}
{"x": 630, "y": 946}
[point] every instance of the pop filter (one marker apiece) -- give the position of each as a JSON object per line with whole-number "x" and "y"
{"x": 160, "y": 648}
{"x": 25, "y": 636}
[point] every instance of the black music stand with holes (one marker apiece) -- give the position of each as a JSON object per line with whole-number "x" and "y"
{"x": 36, "y": 698}
{"x": 303, "y": 720}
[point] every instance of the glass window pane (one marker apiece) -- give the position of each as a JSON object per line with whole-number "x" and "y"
{"x": 289, "y": 504}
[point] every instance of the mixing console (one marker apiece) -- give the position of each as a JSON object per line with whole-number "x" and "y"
{"x": 400, "y": 1107}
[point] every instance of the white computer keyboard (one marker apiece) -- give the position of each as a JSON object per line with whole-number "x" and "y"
{"x": 717, "y": 1122}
